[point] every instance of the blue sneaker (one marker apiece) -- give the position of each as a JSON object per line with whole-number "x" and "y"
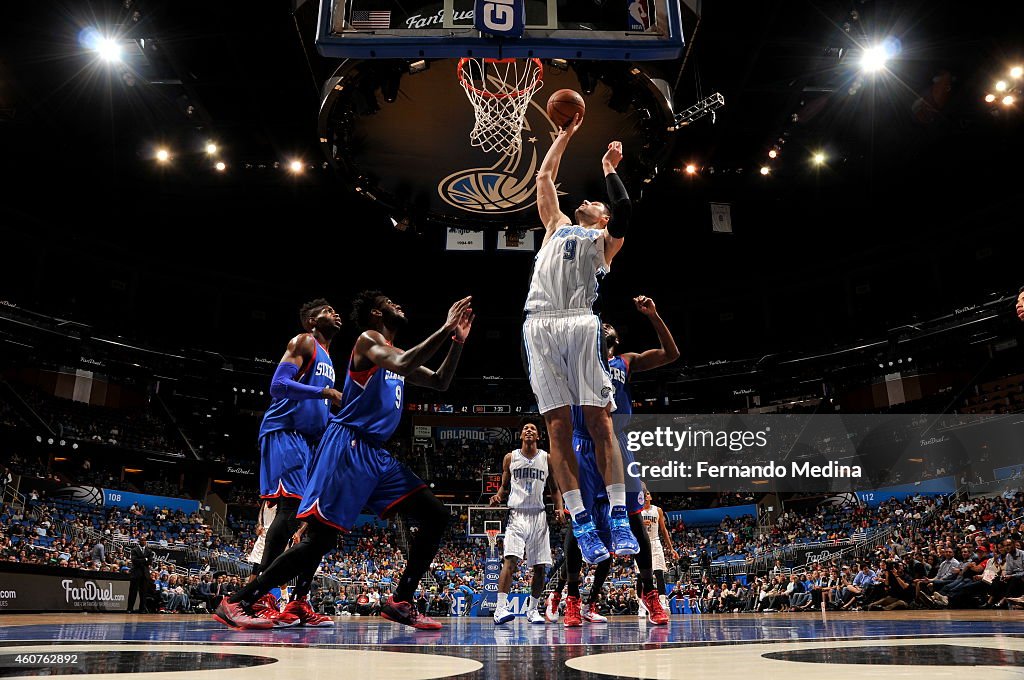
{"x": 590, "y": 543}
{"x": 623, "y": 540}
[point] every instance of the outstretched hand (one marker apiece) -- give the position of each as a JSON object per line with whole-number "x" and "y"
{"x": 645, "y": 305}
{"x": 464, "y": 325}
{"x": 572, "y": 126}
{"x": 613, "y": 155}
{"x": 456, "y": 311}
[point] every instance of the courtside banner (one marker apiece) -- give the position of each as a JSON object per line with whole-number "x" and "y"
{"x": 35, "y": 588}
{"x": 863, "y": 455}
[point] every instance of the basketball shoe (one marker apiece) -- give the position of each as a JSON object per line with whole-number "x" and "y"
{"x": 655, "y": 614}
{"x": 234, "y": 615}
{"x": 590, "y": 614}
{"x": 572, "y": 619}
{"x": 591, "y": 545}
{"x": 307, "y": 617}
{"x": 623, "y": 540}
{"x": 551, "y": 610}
{"x": 407, "y": 614}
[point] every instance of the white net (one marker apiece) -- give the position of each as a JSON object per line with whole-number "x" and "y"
{"x": 500, "y": 91}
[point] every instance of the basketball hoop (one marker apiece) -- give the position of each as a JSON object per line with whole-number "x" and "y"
{"x": 499, "y": 90}
{"x": 492, "y": 538}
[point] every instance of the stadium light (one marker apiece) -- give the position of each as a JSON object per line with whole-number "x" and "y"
{"x": 1008, "y": 100}
{"x": 691, "y": 169}
{"x": 990, "y": 98}
{"x": 773, "y": 153}
{"x": 818, "y": 158}
{"x": 295, "y": 167}
{"x": 1001, "y": 86}
{"x": 163, "y": 155}
{"x": 221, "y": 166}
{"x": 109, "y": 50}
{"x": 873, "y": 59}
{"x": 1017, "y": 72}
{"x": 765, "y": 170}
{"x": 211, "y": 148}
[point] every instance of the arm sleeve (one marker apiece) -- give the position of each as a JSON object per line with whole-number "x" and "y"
{"x": 284, "y": 385}
{"x": 620, "y": 205}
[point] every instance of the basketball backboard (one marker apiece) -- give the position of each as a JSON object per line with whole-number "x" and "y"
{"x": 627, "y": 30}
{"x": 479, "y": 518}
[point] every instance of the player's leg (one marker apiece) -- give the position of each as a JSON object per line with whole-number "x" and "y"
{"x": 573, "y": 567}
{"x": 559, "y": 576}
{"x": 508, "y": 567}
{"x": 609, "y": 464}
{"x": 538, "y": 553}
{"x": 644, "y": 563}
{"x": 400, "y": 492}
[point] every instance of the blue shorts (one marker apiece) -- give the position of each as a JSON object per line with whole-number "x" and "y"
{"x": 348, "y": 474}
{"x": 284, "y": 459}
{"x": 592, "y": 486}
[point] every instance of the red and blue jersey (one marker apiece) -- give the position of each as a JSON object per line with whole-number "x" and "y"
{"x": 618, "y": 369}
{"x": 372, "y": 402}
{"x": 306, "y": 416}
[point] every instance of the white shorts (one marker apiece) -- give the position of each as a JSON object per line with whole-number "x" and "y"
{"x": 657, "y": 557}
{"x": 256, "y": 555}
{"x": 526, "y": 537}
{"x": 565, "y": 360}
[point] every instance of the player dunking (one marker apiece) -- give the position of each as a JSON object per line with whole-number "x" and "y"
{"x": 524, "y": 476}
{"x": 622, "y": 366}
{"x": 301, "y": 390}
{"x": 562, "y": 339}
{"x": 351, "y": 468}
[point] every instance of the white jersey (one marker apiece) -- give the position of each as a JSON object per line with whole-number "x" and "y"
{"x": 650, "y": 517}
{"x": 529, "y": 476}
{"x": 566, "y": 271}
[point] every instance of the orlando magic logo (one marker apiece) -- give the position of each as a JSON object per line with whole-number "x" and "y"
{"x": 506, "y": 186}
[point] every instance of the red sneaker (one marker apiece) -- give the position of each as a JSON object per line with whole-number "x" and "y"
{"x": 266, "y": 608}
{"x": 307, "y": 617}
{"x": 573, "y": 616}
{"x": 407, "y": 614}
{"x": 655, "y": 612}
{"x": 232, "y": 614}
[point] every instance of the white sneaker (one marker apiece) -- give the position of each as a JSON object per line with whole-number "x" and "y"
{"x": 642, "y": 608}
{"x": 551, "y": 610}
{"x": 664, "y": 602}
{"x": 534, "y": 616}
{"x": 503, "y": 616}
{"x": 590, "y": 615}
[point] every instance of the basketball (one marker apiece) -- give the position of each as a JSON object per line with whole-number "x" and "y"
{"x": 563, "y": 105}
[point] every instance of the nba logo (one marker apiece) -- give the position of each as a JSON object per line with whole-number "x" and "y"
{"x": 639, "y": 15}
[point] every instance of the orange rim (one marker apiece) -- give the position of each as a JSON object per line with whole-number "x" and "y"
{"x": 500, "y": 95}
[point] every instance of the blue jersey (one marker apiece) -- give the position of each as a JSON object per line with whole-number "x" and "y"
{"x": 372, "y": 402}
{"x": 306, "y": 416}
{"x": 618, "y": 369}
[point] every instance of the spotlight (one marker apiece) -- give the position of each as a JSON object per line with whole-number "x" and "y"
{"x": 881, "y": 365}
{"x": 1008, "y": 100}
{"x": 295, "y": 167}
{"x": 765, "y": 170}
{"x": 62, "y": 442}
{"x": 163, "y": 155}
{"x": 890, "y": 363}
{"x": 1016, "y": 72}
{"x": 990, "y": 98}
{"x": 221, "y": 166}
{"x": 1001, "y": 86}
{"x": 691, "y": 169}
{"x": 235, "y": 389}
{"x": 109, "y": 50}
{"x": 75, "y": 445}
{"x": 211, "y": 148}
{"x": 50, "y": 440}
{"x": 261, "y": 393}
{"x": 873, "y": 59}
{"x": 39, "y": 439}
{"x": 818, "y": 158}
{"x": 773, "y": 154}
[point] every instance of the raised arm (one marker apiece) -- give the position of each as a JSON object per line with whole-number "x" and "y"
{"x": 441, "y": 379}
{"x": 373, "y": 346}
{"x": 506, "y": 481}
{"x": 620, "y": 208}
{"x": 300, "y": 352}
{"x": 666, "y": 353}
{"x": 547, "y": 195}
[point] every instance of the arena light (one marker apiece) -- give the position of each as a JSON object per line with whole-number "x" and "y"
{"x": 873, "y": 59}
{"x": 990, "y": 98}
{"x": 295, "y": 167}
{"x": 818, "y": 158}
{"x": 1017, "y": 71}
{"x": 109, "y": 50}
{"x": 163, "y": 155}
{"x": 1001, "y": 86}
{"x": 773, "y": 154}
{"x": 691, "y": 169}
{"x": 1008, "y": 100}
{"x": 221, "y": 166}
{"x": 765, "y": 170}
{"x": 39, "y": 439}
{"x": 50, "y": 440}
{"x": 75, "y": 446}
{"x": 211, "y": 148}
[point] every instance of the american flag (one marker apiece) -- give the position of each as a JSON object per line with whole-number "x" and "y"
{"x": 368, "y": 20}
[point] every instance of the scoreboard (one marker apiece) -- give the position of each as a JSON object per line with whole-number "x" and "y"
{"x": 490, "y": 483}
